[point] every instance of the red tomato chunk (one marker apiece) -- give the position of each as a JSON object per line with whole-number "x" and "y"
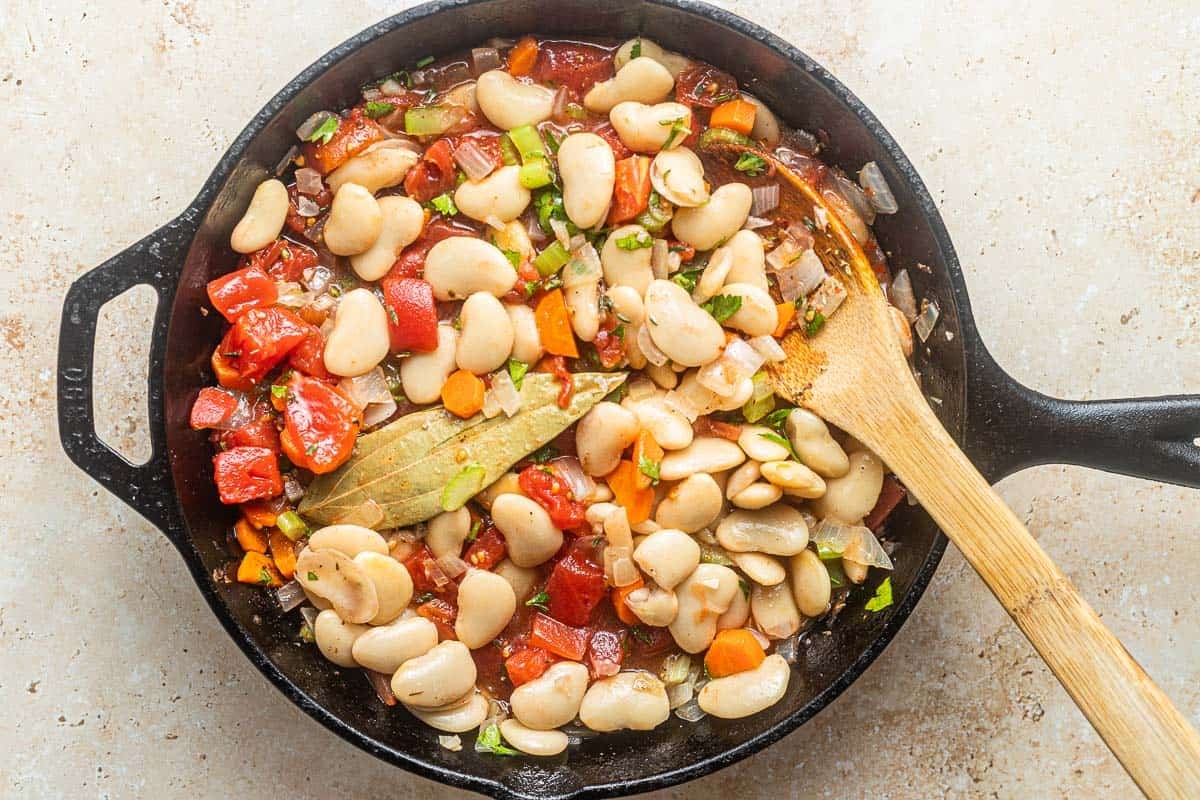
{"x": 527, "y": 664}
{"x": 562, "y": 640}
{"x": 247, "y": 473}
{"x": 309, "y": 355}
{"x": 441, "y": 613}
{"x": 551, "y": 493}
{"x": 320, "y": 425}
{"x": 259, "y": 340}
{"x": 605, "y": 653}
{"x": 354, "y": 134}
{"x": 412, "y": 315}
{"x": 433, "y": 174}
{"x": 212, "y": 407}
{"x": 261, "y": 432}
{"x": 576, "y": 587}
{"x": 487, "y": 550}
{"x": 241, "y": 291}
{"x": 574, "y": 65}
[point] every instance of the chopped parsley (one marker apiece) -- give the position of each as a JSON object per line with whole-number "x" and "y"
{"x": 650, "y": 469}
{"x": 312, "y": 576}
{"x": 377, "y": 108}
{"x": 540, "y": 600}
{"x": 745, "y": 587}
{"x": 264, "y": 576}
{"x": 279, "y": 390}
{"x": 425, "y": 62}
{"x": 725, "y": 97}
{"x": 882, "y": 598}
{"x": 811, "y": 326}
{"x": 444, "y": 205}
{"x": 723, "y": 306}
{"x": 513, "y": 257}
{"x": 310, "y": 450}
{"x": 475, "y": 530}
{"x": 636, "y": 50}
{"x": 617, "y": 394}
{"x": 686, "y": 279}
{"x": 776, "y": 417}
{"x": 553, "y": 142}
{"x": 782, "y": 442}
{"x": 638, "y": 633}
{"x": 516, "y": 371}
{"x": 325, "y": 130}
{"x": 543, "y": 454}
{"x": 489, "y": 741}
{"x": 678, "y": 126}
{"x": 638, "y": 240}
{"x": 750, "y": 164}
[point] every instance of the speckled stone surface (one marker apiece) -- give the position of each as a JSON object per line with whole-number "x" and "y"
{"x": 1062, "y": 143}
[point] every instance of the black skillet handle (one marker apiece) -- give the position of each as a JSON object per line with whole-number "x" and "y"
{"x": 1012, "y": 427}
{"x": 155, "y": 261}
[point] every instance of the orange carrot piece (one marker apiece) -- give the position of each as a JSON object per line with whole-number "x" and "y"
{"x": 259, "y": 570}
{"x": 554, "y": 325}
{"x": 619, "y": 594}
{"x": 646, "y": 451}
{"x": 251, "y": 539}
{"x": 735, "y": 650}
{"x": 787, "y": 311}
{"x": 283, "y": 551}
{"x": 736, "y": 115}
{"x": 624, "y": 484}
{"x": 522, "y": 57}
{"x": 262, "y": 513}
{"x": 462, "y": 394}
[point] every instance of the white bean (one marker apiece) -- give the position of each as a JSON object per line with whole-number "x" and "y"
{"x": 854, "y": 571}
{"x": 527, "y": 342}
{"x": 756, "y": 441}
{"x": 739, "y": 611}
{"x": 810, "y": 584}
{"x": 508, "y": 483}
{"x": 757, "y": 315}
{"x": 359, "y": 339}
{"x": 486, "y": 603}
{"x": 668, "y": 556}
{"x": 759, "y": 494}
{"x": 458, "y": 716}
{"x": 385, "y": 648}
{"x": 393, "y": 585}
{"x": 749, "y": 261}
{"x": 514, "y": 237}
{"x": 742, "y": 477}
{"x": 508, "y": 103}
{"x": 553, "y": 698}
{"x": 601, "y": 436}
{"x": 663, "y": 376}
{"x": 653, "y": 605}
{"x": 441, "y": 676}
{"x": 349, "y": 540}
{"x": 627, "y": 303}
{"x": 531, "y": 537}
{"x": 521, "y": 579}
{"x": 649, "y": 129}
{"x": 333, "y": 576}
{"x": 380, "y": 166}
{"x": 774, "y": 610}
{"x": 678, "y": 175}
{"x": 403, "y": 219}
{"x": 766, "y": 127}
{"x": 641, "y": 80}
{"x": 459, "y": 266}
{"x": 633, "y": 700}
{"x": 717, "y": 220}
{"x": 486, "y": 339}
{"x": 264, "y": 218}
{"x": 627, "y": 268}
{"x": 745, "y": 693}
{"x": 588, "y": 171}
{"x": 423, "y": 374}
{"x": 714, "y": 275}
{"x": 674, "y": 62}
{"x": 852, "y": 496}
{"x": 796, "y": 480}
{"x": 705, "y": 454}
{"x": 583, "y": 306}
{"x": 499, "y": 197}
{"x": 533, "y": 742}
{"x": 354, "y": 221}
{"x": 336, "y": 639}
{"x": 779, "y": 530}
{"x": 691, "y": 504}
{"x": 463, "y": 95}
{"x": 762, "y": 569}
{"x": 684, "y": 332}
{"x": 704, "y": 596}
{"x": 447, "y": 532}
{"x": 812, "y": 441}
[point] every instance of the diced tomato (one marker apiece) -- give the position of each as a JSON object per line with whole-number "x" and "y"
{"x": 686, "y": 251}
{"x": 293, "y": 259}
{"x": 487, "y": 142}
{"x": 557, "y": 366}
{"x": 609, "y": 134}
{"x": 246, "y": 473}
{"x": 576, "y": 587}
{"x": 574, "y": 65}
{"x": 441, "y": 613}
{"x": 605, "y": 653}
{"x": 297, "y": 222}
{"x": 320, "y": 425}
{"x": 610, "y": 343}
{"x": 260, "y": 339}
{"x": 212, "y": 407}
{"x": 417, "y": 565}
{"x": 411, "y": 263}
{"x": 412, "y": 315}
{"x": 549, "y": 491}
{"x": 647, "y": 641}
{"x": 355, "y": 133}
{"x": 241, "y": 291}
{"x": 889, "y": 497}
{"x": 309, "y": 355}
{"x": 487, "y": 550}
{"x": 260, "y": 432}
{"x": 631, "y": 191}
{"x": 562, "y": 640}
{"x": 702, "y": 85}
{"x": 706, "y": 426}
{"x": 527, "y": 664}
{"x": 433, "y": 174}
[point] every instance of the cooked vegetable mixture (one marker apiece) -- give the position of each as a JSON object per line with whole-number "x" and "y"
{"x": 494, "y": 397}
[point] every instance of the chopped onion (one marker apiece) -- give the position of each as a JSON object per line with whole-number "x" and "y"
{"x": 902, "y": 297}
{"x": 619, "y": 569}
{"x": 382, "y": 684}
{"x": 828, "y": 297}
{"x": 690, "y": 711}
{"x": 789, "y": 649}
{"x": 368, "y": 514}
{"x": 452, "y": 566}
{"x": 491, "y": 405}
{"x": 370, "y": 393}
{"x": 800, "y": 276}
{"x": 835, "y": 536}
{"x": 305, "y": 207}
{"x": 484, "y": 59}
{"x": 675, "y": 669}
{"x": 674, "y": 262}
{"x": 308, "y": 181}
{"x": 316, "y": 232}
{"x": 683, "y": 404}
{"x": 761, "y": 638}
{"x": 927, "y": 319}
{"x": 821, "y": 217}
{"x": 290, "y": 595}
{"x": 679, "y": 693}
{"x": 506, "y": 393}
{"x": 870, "y": 177}
{"x": 310, "y": 125}
{"x": 310, "y": 617}
{"x": 291, "y": 294}
{"x": 292, "y": 488}
{"x": 561, "y": 233}
{"x": 577, "y": 241}
{"x": 583, "y": 268}
{"x": 768, "y": 348}
{"x": 658, "y": 258}
{"x": 494, "y": 222}
{"x": 558, "y": 109}
{"x": 452, "y": 742}
{"x": 649, "y": 348}
{"x": 569, "y": 470}
{"x": 534, "y": 229}
{"x": 754, "y": 223}
{"x": 242, "y": 414}
{"x": 738, "y": 362}
{"x": 764, "y": 199}
{"x": 316, "y": 279}
{"x": 785, "y": 254}
{"x": 855, "y": 197}
{"x": 477, "y": 164}
{"x": 802, "y": 235}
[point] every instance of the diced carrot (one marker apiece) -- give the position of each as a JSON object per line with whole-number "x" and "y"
{"x": 251, "y": 539}
{"x": 646, "y": 452}
{"x": 736, "y": 115}
{"x": 462, "y": 394}
{"x": 631, "y": 189}
{"x": 228, "y": 375}
{"x": 624, "y": 484}
{"x": 554, "y": 325}
{"x": 619, "y": 594}
{"x": 735, "y": 650}
{"x": 787, "y": 311}
{"x": 259, "y": 570}
{"x": 262, "y": 513}
{"x": 522, "y": 57}
{"x": 283, "y": 551}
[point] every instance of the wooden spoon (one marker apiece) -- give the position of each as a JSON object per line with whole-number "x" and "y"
{"x": 853, "y": 374}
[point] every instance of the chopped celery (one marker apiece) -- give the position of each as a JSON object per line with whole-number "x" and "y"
{"x": 717, "y": 136}
{"x": 762, "y": 402}
{"x": 528, "y": 142}
{"x": 291, "y": 526}
{"x": 429, "y": 120}
{"x": 508, "y": 152}
{"x": 462, "y": 487}
{"x": 536, "y": 173}
{"x": 552, "y": 259}
{"x": 657, "y": 214}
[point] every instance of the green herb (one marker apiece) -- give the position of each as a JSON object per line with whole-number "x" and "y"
{"x": 678, "y": 127}
{"x": 513, "y": 257}
{"x": 815, "y": 324}
{"x": 837, "y": 577}
{"x": 427, "y": 597}
{"x": 776, "y": 417}
{"x": 687, "y": 279}
{"x": 638, "y": 633}
{"x": 312, "y": 576}
{"x": 617, "y": 394}
{"x": 723, "y": 306}
{"x": 516, "y": 371}
{"x": 782, "y": 442}
{"x": 724, "y": 97}
{"x": 549, "y": 205}
{"x": 392, "y": 315}
{"x": 305, "y": 634}
{"x": 553, "y": 142}
{"x": 444, "y": 205}
{"x": 291, "y": 526}
{"x": 377, "y": 108}
{"x": 264, "y": 577}
{"x": 543, "y": 454}
{"x": 745, "y": 587}
{"x": 278, "y": 390}
{"x": 808, "y": 223}
{"x": 638, "y": 240}
{"x": 540, "y": 600}
{"x": 474, "y": 530}
{"x": 650, "y": 469}
{"x": 425, "y": 62}
{"x": 882, "y": 598}
{"x": 636, "y": 50}
{"x": 325, "y": 131}
{"x": 488, "y": 741}
{"x": 311, "y": 449}
{"x": 750, "y": 164}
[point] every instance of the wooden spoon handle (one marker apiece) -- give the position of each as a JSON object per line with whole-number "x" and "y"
{"x": 1155, "y": 743}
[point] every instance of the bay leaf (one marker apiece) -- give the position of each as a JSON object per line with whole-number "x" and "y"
{"x": 403, "y": 466}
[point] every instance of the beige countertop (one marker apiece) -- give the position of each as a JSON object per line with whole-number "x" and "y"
{"x": 1062, "y": 144}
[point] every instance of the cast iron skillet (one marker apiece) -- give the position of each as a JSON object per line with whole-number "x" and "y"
{"x": 1002, "y": 425}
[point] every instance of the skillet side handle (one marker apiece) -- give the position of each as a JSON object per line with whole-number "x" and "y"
{"x": 1012, "y": 427}
{"x": 155, "y": 261}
